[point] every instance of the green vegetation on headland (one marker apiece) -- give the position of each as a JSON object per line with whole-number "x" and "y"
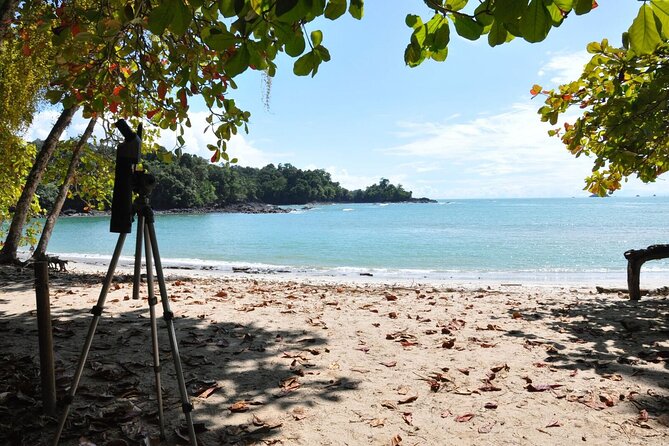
{"x": 191, "y": 182}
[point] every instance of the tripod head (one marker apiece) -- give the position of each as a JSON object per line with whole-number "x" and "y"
{"x": 127, "y": 158}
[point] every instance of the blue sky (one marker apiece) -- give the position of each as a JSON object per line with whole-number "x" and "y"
{"x": 463, "y": 128}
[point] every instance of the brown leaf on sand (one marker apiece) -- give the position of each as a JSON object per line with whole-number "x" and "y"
{"x": 221, "y": 294}
{"x": 607, "y": 399}
{"x": 490, "y": 405}
{"x": 446, "y": 413}
{"x": 239, "y": 406}
{"x": 391, "y": 297}
{"x": 289, "y": 384}
{"x": 377, "y": 422}
{"x": 541, "y": 387}
{"x": 464, "y": 417}
{"x": 488, "y": 387}
{"x": 206, "y": 393}
{"x": 389, "y": 363}
{"x": 388, "y": 404}
{"x": 612, "y": 376}
{"x": 408, "y": 400}
{"x": 554, "y": 423}
{"x": 408, "y": 418}
{"x": 403, "y": 390}
{"x": 486, "y": 428}
{"x": 449, "y": 343}
{"x": 392, "y": 315}
{"x": 499, "y": 368}
{"x": 516, "y": 315}
{"x": 299, "y": 413}
{"x": 396, "y": 441}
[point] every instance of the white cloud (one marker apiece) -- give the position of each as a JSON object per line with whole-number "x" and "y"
{"x": 508, "y": 154}
{"x": 565, "y": 68}
{"x": 349, "y": 180}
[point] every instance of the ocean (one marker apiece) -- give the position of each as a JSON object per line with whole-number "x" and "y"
{"x": 562, "y": 240}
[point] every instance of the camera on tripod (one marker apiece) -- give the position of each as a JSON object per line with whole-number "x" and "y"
{"x": 128, "y": 179}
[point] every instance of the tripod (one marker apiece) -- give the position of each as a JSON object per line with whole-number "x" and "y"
{"x": 144, "y": 183}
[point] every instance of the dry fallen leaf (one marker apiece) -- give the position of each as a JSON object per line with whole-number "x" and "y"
{"x": 486, "y": 428}
{"x": 396, "y": 441}
{"x": 408, "y": 400}
{"x": 554, "y": 423}
{"x": 239, "y": 406}
{"x": 408, "y": 418}
{"x": 377, "y": 422}
{"x": 490, "y": 405}
{"x": 541, "y": 387}
{"x": 389, "y": 363}
{"x": 299, "y": 413}
{"x": 449, "y": 343}
{"x": 464, "y": 417}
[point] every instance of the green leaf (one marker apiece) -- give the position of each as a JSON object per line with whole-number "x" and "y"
{"x": 483, "y": 16}
{"x": 564, "y": 5}
{"x": 335, "y": 9}
{"x": 306, "y": 64}
{"x": 181, "y": 19}
{"x": 644, "y": 35}
{"x": 220, "y": 40}
{"x": 440, "y": 32}
{"x": 285, "y": 6}
{"x": 582, "y": 6}
{"x": 661, "y": 10}
{"x": 467, "y": 27}
{"x": 316, "y": 38}
{"x": 413, "y": 56}
{"x": 498, "y": 34}
{"x": 535, "y": 22}
{"x": 594, "y": 47}
{"x": 356, "y": 9}
{"x": 440, "y": 55}
{"x": 227, "y": 8}
{"x": 160, "y": 17}
{"x": 509, "y": 10}
{"x": 239, "y": 62}
{"x": 295, "y": 46}
{"x": 413, "y": 21}
{"x": 323, "y": 53}
{"x": 455, "y": 5}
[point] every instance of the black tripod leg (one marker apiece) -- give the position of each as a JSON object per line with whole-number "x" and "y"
{"x": 154, "y": 328}
{"x": 136, "y": 278}
{"x": 97, "y": 312}
{"x": 186, "y": 406}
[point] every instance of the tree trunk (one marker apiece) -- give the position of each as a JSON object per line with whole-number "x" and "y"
{"x": 7, "y": 9}
{"x": 62, "y": 194}
{"x": 8, "y": 252}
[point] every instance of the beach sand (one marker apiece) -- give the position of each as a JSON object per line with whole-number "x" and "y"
{"x": 309, "y": 362}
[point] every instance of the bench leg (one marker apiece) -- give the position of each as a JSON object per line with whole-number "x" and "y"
{"x": 633, "y": 273}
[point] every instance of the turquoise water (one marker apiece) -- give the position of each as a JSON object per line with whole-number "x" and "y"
{"x": 506, "y": 237}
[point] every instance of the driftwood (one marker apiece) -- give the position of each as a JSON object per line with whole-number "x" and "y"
{"x": 636, "y": 258}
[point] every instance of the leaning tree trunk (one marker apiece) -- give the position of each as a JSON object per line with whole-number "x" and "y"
{"x": 62, "y": 194}
{"x": 9, "y": 249}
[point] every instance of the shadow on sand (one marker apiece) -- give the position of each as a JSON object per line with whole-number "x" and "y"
{"x": 227, "y": 364}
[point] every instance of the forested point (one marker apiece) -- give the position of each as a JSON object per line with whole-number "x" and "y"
{"x": 192, "y": 182}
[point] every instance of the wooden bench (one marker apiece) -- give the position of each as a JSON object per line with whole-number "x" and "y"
{"x": 636, "y": 258}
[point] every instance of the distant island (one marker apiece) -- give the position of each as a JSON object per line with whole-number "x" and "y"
{"x": 192, "y": 184}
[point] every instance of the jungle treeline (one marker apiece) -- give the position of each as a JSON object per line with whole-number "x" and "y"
{"x": 192, "y": 182}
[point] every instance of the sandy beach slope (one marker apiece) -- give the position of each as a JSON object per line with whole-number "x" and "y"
{"x": 309, "y": 363}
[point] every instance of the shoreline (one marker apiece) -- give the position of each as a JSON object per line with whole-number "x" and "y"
{"x": 370, "y": 276}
